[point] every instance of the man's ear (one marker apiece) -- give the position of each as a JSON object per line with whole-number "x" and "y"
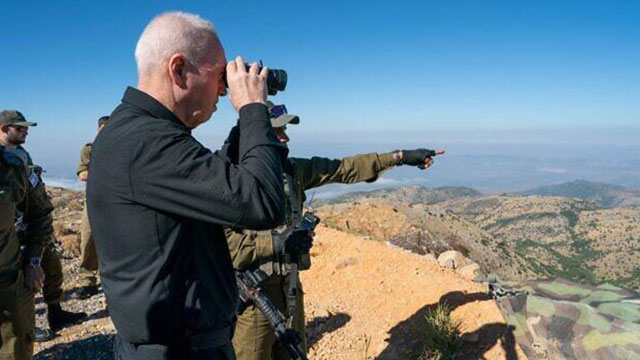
{"x": 178, "y": 70}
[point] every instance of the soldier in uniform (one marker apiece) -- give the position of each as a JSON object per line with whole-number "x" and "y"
{"x": 254, "y": 339}
{"x": 21, "y": 274}
{"x": 13, "y": 133}
{"x": 88, "y": 256}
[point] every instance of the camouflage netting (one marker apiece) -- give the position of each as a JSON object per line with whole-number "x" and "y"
{"x": 558, "y": 319}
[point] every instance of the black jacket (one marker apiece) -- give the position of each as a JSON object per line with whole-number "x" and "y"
{"x": 157, "y": 199}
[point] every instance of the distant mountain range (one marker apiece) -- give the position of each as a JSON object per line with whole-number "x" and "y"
{"x": 409, "y": 194}
{"x": 602, "y": 194}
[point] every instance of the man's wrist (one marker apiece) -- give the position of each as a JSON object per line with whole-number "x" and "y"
{"x": 253, "y": 112}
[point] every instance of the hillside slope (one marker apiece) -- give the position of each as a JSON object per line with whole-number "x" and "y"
{"x": 559, "y": 236}
{"x": 516, "y": 237}
{"x": 425, "y": 229}
{"x": 367, "y": 300}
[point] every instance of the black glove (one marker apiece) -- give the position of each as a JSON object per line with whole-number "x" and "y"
{"x": 416, "y": 157}
{"x": 298, "y": 242}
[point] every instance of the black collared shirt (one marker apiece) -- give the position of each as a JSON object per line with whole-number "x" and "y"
{"x": 157, "y": 201}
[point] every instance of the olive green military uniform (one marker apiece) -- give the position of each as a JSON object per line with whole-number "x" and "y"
{"x": 51, "y": 264}
{"x": 254, "y": 339}
{"x": 88, "y": 255}
{"x": 20, "y": 190}
{"x": 52, "y": 267}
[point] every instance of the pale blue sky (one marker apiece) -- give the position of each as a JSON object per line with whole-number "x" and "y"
{"x": 423, "y": 68}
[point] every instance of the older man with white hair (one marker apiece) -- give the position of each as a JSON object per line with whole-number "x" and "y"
{"x": 157, "y": 198}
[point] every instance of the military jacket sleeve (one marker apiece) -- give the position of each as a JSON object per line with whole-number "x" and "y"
{"x": 85, "y": 154}
{"x": 317, "y": 171}
{"x": 249, "y": 248}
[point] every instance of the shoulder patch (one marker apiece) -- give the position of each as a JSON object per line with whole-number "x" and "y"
{"x": 33, "y": 178}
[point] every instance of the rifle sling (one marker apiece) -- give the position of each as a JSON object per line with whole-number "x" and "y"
{"x": 292, "y": 293}
{"x": 294, "y": 213}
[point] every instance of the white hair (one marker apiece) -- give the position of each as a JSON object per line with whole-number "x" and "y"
{"x": 171, "y": 33}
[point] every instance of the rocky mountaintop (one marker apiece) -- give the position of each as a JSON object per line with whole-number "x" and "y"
{"x": 363, "y": 300}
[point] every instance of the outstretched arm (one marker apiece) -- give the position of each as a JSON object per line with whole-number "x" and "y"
{"x": 317, "y": 171}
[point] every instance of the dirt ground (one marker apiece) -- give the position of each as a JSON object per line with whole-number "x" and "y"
{"x": 368, "y": 300}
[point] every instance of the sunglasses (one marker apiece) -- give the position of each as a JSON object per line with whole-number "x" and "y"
{"x": 19, "y": 128}
{"x": 278, "y": 110}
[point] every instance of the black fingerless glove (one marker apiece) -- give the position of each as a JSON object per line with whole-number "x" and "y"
{"x": 416, "y": 157}
{"x": 298, "y": 242}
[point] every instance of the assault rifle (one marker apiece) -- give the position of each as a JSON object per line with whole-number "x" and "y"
{"x": 251, "y": 292}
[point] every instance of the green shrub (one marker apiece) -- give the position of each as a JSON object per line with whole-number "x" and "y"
{"x": 441, "y": 334}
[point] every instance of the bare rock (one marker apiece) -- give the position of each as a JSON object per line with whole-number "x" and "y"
{"x": 452, "y": 259}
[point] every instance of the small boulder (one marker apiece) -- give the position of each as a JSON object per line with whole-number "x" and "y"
{"x": 452, "y": 259}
